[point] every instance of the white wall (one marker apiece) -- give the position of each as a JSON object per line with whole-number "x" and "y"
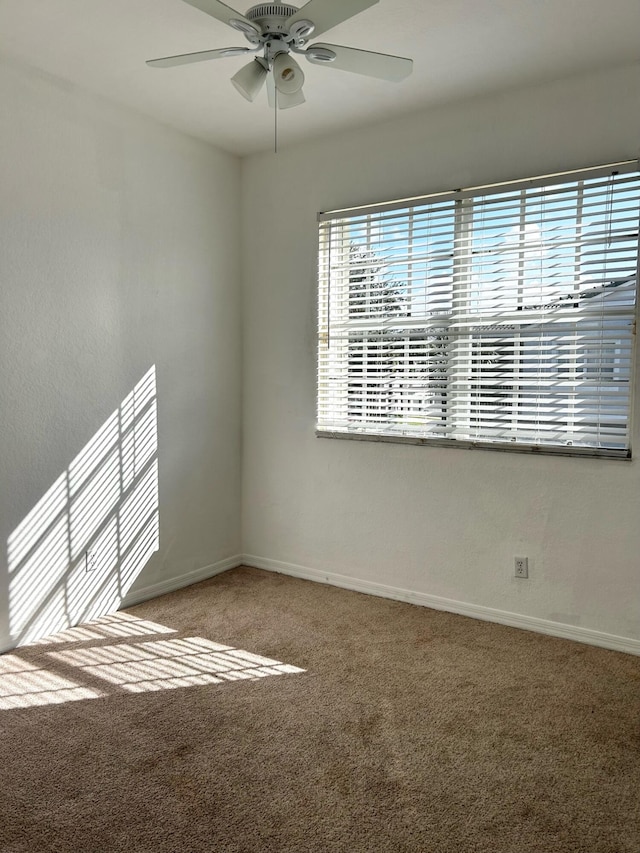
{"x": 119, "y": 251}
{"x": 436, "y": 521}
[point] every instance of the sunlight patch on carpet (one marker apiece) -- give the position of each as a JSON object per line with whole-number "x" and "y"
{"x": 114, "y": 654}
{"x": 23, "y": 685}
{"x": 167, "y": 664}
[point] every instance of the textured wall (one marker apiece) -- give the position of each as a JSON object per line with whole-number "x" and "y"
{"x": 118, "y": 253}
{"x": 443, "y": 522}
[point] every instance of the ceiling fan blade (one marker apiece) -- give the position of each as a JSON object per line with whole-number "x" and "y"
{"x": 381, "y": 65}
{"x": 222, "y": 12}
{"x": 326, "y": 14}
{"x": 285, "y": 102}
{"x": 201, "y": 56}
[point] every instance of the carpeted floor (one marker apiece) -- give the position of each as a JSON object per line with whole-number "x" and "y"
{"x": 373, "y": 726}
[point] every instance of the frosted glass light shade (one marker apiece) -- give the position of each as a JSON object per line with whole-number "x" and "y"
{"x": 250, "y": 79}
{"x": 287, "y": 74}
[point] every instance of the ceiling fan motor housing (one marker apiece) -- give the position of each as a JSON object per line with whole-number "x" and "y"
{"x": 271, "y": 17}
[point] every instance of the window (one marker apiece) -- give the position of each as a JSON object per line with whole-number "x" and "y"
{"x": 499, "y": 317}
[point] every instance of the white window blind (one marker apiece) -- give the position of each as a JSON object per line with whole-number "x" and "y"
{"x": 499, "y": 317}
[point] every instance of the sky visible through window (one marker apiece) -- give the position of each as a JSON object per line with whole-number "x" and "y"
{"x": 527, "y": 234}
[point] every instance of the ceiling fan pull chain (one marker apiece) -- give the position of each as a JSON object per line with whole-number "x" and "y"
{"x": 275, "y": 107}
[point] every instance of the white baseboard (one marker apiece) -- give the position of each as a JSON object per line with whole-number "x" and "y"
{"x": 138, "y": 596}
{"x": 475, "y": 611}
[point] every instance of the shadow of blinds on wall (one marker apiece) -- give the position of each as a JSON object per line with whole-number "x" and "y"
{"x": 499, "y": 317}
{"x": 78, "y": 552}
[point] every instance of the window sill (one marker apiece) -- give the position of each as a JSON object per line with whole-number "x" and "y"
{"x": 531, "y": 449}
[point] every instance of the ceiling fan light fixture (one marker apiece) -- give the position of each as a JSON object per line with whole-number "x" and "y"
{"x": 287, "y": 74}
{"x": 250, "y": 79}
{"x": 286, "y": 102}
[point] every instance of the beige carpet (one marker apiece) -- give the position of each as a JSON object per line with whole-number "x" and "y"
{"x": 373, "y": 726}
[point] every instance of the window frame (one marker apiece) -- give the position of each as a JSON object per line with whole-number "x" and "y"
{"x": 460, "y": 199}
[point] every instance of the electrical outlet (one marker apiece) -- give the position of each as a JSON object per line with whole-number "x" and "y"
{"x": 521, "y": 567}
{"x": 90, "y": 561}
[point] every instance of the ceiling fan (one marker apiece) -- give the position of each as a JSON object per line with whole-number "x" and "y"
{"x": 275, "y": 31}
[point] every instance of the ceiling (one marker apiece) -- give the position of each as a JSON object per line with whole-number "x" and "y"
{"x": 461, "y": 49}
